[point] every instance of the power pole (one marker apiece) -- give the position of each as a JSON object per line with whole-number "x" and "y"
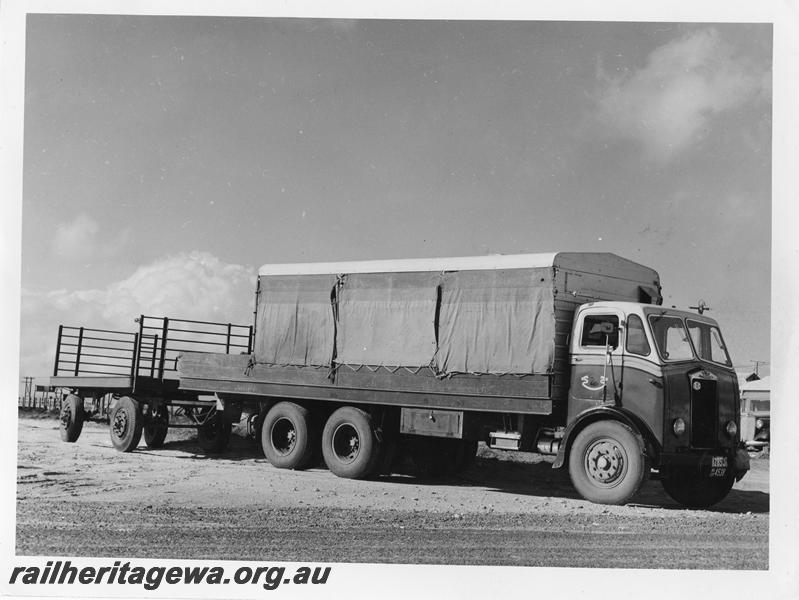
{"x": 757, "y": 365}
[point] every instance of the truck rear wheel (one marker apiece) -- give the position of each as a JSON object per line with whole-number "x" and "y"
{"x": 71, "y": 417}
{"x": 126, "y": 424}
{"x": 287, "y": 436}
{"x": 214, "y": 433}
{"x": 693, "y": 491}
{"x": 607, "y": 463}
{"x": 156, "y": 428}
{"x": 350, "y": 446}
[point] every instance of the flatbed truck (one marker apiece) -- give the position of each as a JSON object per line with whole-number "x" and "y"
{"x": 565, "y": 354}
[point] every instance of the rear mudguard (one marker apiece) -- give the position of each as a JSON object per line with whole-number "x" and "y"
{"x": 597, "y": 414}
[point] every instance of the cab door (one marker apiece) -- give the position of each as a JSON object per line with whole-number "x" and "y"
{"x": 596, "y": 359}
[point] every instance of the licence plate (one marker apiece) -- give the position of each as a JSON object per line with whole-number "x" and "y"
{"x": 718, "y": 466}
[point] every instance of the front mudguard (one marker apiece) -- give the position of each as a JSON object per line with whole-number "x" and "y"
{"x": 740, "y": 464}
{"x": 597, "y": 414}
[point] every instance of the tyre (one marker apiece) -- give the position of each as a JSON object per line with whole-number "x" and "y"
{"x": 156, "y": 428}
{"x": 693, "y": 491}
{"x": 126, "y": 424}
{"x": 350, "y": 446}
{"x": 72, "y": 417}
{"x": 287, "y": 436}
{"x": 607, "y": 464}
{"x": 214, "y": 434}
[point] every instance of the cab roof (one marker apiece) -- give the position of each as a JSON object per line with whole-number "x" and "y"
{"x": 648, "y": 309}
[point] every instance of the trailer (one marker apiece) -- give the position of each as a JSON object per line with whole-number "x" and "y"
{"x": 567, "y": 354}
{"x": 134, "y": 373}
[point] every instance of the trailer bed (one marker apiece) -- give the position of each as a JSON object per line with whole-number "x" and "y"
{"x": 143, "y": 362}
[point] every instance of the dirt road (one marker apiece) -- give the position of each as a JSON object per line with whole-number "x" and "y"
{"x": 86, "y": 499}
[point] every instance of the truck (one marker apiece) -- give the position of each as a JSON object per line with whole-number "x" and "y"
{"x": 363, "y": 363}
{"x": 756, "y": 414}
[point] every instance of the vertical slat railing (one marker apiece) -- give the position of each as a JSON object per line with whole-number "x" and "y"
{"x": 58, "y": 350}
{"x": 162, "y": 360}
{"x": 77, "y": 352}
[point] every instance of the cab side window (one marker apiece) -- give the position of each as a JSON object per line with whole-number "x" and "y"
{"x": 636, "y": 337}
{"x": 594, "y": 328}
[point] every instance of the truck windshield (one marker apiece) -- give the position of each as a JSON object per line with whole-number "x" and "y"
{"x": 671, "y": 338}
{"x": 708, "y": 343}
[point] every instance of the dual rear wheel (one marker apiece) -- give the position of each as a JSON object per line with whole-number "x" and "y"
{"x": 349, "y": 442}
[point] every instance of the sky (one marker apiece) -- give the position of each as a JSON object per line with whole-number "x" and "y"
{"x": 167, "y": 158}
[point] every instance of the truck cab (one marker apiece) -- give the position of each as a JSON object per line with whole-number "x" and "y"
{"x": 664, "y": 376}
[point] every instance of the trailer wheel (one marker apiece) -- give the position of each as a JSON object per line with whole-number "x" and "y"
{"x": 350, "y": 446}
{"x": 72, "y": 416}
{"x": 126, "y": 424}
{"x": 607, "y": 464}
{"x": 156, "y": 428}
{"x": 287, "y": 436}
{"x": 214, "y": 434}
{"x": 694, "y": 491}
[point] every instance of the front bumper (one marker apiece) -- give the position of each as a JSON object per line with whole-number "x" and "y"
{"x": 707, "y": 463}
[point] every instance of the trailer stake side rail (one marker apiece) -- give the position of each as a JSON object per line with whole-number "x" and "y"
{"x": 98, "y": 359}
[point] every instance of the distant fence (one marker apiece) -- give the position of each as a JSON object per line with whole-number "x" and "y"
{"x": 43, "y": 400}
{"x": 49, "y": 398}
{"x": 39, "y": 396}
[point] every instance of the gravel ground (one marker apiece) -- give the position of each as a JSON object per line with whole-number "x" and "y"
{"x": 87, "y": 499}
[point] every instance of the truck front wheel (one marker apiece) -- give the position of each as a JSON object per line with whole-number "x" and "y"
{"x": 607, "y": 464}
{"x": 693, "y": 491}
{"x": 71, "y": 417}
{"x": 350, "y": 445}
{"x": 287, "y": 436}
{"x": 126, "y": 424}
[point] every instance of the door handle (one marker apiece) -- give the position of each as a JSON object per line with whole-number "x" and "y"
{"x": 656, "y": 383}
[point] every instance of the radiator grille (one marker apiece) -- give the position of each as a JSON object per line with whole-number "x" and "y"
{"x": 704, "y": 413}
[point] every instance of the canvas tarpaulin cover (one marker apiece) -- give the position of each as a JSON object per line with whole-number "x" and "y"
{"x": 387, "y": 319}
{"x": 294, "y": 320}
{"x": 499, "y": 321}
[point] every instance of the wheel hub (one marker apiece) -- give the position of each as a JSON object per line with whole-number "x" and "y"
{"x": 120, "y": 424}
{"x": 66, "y": 417}
{"x": 346, "y": 443}
{"x": 284, "y": 436}
{"x": 605, "y": 462}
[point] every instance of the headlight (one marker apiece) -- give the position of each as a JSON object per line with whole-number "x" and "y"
{"x": 759, "y": 424}
{"x": 678, "y": 426}
{"x": 731, "y": 428}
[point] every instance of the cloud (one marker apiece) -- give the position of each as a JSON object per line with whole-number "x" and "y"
{"x": 194, "y": 285}
{"x": 669, "y": 104}
{"x": 76, "y": 240}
